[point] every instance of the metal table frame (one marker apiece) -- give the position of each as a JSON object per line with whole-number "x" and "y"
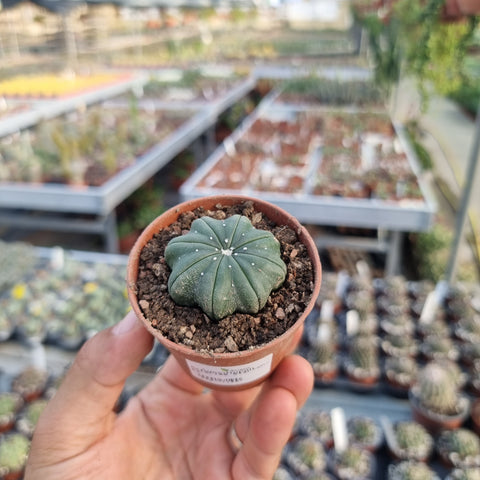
{"x": 21, "y": 204}
{"x": 390, "y": 219}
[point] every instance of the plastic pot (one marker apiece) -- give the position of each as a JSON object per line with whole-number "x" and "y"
{"x": 237, "y": 370}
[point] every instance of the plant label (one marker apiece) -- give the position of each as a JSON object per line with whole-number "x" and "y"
{"x": 233, "y": 375}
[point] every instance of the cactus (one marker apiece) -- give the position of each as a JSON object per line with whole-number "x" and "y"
{"x": 413, "y": 440}
{"x": 364, "y": 431}
{"x": 353, "y": 462}
{"x": 364, "y": 354}
{"x": 461, "y": 447}
{"x": 224, "y": 266}
{"x": 411, "y": 470}
{"x": 324, "y": 354}
{"x": 13, "y": 453}
{"x": 401, "y": 371}
{"x": 437, "y": 390}
{"x": 306, "y": 455}
{"x": 464, "y": 474}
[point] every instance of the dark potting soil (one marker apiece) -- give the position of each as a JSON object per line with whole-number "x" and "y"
{"x": 190, "y": 326}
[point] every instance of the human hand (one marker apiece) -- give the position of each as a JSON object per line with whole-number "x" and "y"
{"x": 172, "y": 429}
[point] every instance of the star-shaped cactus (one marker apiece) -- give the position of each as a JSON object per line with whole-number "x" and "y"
{"x": 224, "y": 266}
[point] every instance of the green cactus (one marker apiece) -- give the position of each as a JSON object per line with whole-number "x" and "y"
{"x": 472, "y": 473}
{"x": 364, "y": 353}
{"x": 224, "y": 266}
{"x": 363, "y": 430}
{"x": 461, "y": 447}
{"x": 437, "y": 390}
{"x": 413, "y": 440}
{"x": 13, "y": 452}
{"x": 411, "y": 470}
{"x": 353, "y": 462}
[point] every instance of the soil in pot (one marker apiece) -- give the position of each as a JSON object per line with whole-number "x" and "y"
{"x": 190, "y": 326}
{"x": 235, "y": 350}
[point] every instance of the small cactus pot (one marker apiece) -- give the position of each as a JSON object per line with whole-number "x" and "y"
{"x": 435, "y": 422}
{"x": 235, "y": 370}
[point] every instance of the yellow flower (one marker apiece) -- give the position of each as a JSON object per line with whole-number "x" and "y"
{"x": 18, "y": 291}
{"x": 90, "y": 287}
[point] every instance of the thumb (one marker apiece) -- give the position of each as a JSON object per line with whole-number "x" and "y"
{"x": 85, "y": 400}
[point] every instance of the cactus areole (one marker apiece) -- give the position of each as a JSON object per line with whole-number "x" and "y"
{"x": 224, "y": 266}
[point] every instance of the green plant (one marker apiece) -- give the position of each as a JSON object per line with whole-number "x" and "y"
{"x": 363, "y": 353}
{"x": 10, "y": 403}
{"x": 472, "y": 473}
{"x": 224, "y": 266}
{"x": 413, "y": 440}
{"x": 13, "y": 453}
{"x": 363, "y": 431}
{"x": 353, "y": 462}
{"x": 436, "y": 390}
{"x": 401, "y": 371}
{"x": 461, "y": 447}
{"x": 306, "y": 455}
{"x": 414, "y": 134}
{"x": 430, "y": 250}
{"x": 411, "y": 470}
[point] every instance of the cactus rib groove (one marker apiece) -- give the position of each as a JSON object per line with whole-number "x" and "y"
{"x": 224, "y": 266}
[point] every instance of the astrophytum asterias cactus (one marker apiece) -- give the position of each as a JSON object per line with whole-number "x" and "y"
{"x": 224, "y": 266}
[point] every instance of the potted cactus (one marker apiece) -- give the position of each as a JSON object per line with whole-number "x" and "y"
{"x": 411, "y": 469}
{"x": 399, "y": 345}
{"x": 30, "y": 383}
{"x": 435, "y": 399}
{"x": 459, "y": 448}
{"x": 352, "y": 463}
{"x": 10, "y": 405}
{"x": 306, "y": 455}
{"x": 324, "y": 359}
{"x": 364, "y": 432}
{"x": 401, "y": 324}
{"x": 400, "y": 374}
{"x": 317, "y": 424}
{"x": 14, "y": 448}
{"x": 464, "y": 474}
{"x": 467, "y": 329}
{"x": 361, "y": 364}
{"x": 28, "y": 418}
{"x": 435, "y": 347}
{"x": 412, "y": 441}
{"x": 225, "y": 284}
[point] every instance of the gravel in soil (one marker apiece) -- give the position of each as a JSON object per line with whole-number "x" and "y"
{"x": 239, "y": 331}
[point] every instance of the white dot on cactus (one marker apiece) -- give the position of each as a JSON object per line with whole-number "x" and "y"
{"x": 201, "y": 274}
{"x": 233, "y": 285}
{"x": 211, "y": 238}
{"x": 214, "y": 258}
{"x": 252, "y": 264}
{"x": 229, "y": 266}
{"x": 235, "y": 254}
{"x": 196, "y": 249}
{"x": 224, "y": 224}
{"x": 226, "y": 240}
{"x": 245, "y": 248}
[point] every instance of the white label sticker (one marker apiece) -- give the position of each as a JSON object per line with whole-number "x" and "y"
{"x": 235, "y": 375}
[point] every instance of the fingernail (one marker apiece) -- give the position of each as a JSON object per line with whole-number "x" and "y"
{"x": 126, "y": 325}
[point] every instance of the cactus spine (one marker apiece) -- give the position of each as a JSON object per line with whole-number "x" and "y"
{"x": 437, "y": 389}
{"x": 224, "y": 266}
{"x": 364, "y": 353}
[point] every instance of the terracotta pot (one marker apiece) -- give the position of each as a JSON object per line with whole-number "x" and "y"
{"x": 475, "y": 414}
{"x": 435, "y": 423}
{"x": 238, "y": 370}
